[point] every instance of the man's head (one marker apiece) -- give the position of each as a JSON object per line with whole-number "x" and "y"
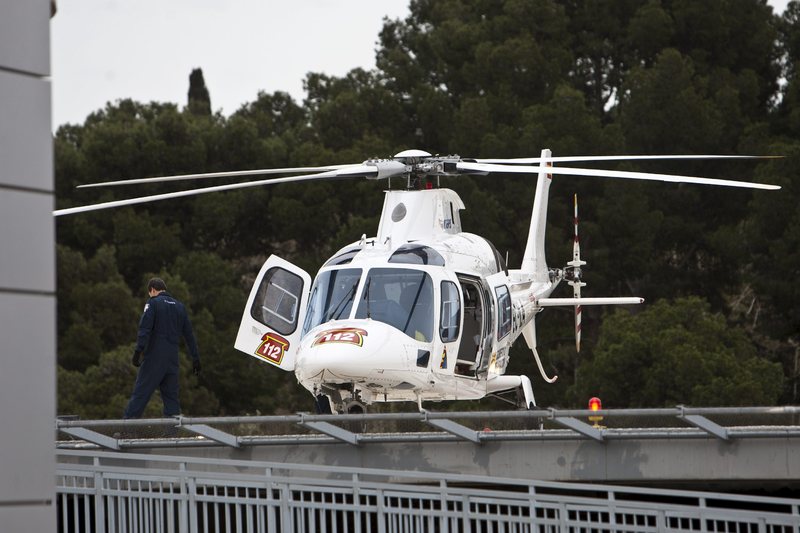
{"x": 155, "y": 286}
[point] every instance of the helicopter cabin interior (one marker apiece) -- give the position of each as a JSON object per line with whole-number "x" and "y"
{"x": 476, "y": 342}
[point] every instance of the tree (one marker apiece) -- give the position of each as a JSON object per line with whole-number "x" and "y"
{"x": 475, "y": 78}
{"x": 676, "y": 353}
{"x": 96, "y": 310}
{"x": 103, "y": 390}
{"x": 199, "y": 99}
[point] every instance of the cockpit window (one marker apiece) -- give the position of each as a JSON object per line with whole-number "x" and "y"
{"x": 343, "y": 258}
{"x": 332, "y": 296}
{"x": 415, "y": 254}
{"x": 402, "y": 298}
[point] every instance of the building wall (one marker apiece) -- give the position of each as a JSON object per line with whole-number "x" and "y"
{"x": 27, "y": 270}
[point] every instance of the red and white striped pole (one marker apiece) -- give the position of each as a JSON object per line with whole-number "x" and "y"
{"x": 576, "y": 282}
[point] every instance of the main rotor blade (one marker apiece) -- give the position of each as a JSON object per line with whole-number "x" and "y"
{"x": 206, "y": 175}
{"x": 580, "y": 158}
{"x": 357, "y": 171}
{"x": 481, "y": 167}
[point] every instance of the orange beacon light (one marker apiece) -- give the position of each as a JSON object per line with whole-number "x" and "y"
{"x": 595, "y": 405}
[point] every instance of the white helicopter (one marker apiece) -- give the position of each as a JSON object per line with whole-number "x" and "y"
{"x": 422, "y": 311}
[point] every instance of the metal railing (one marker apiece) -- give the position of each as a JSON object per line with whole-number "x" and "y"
{"x": 126, "y": 492}
{"x": 724, "y": 423}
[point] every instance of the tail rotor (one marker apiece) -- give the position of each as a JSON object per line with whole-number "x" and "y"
{"x": 574, "y": 273}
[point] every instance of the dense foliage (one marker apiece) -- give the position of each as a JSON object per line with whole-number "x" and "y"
{"x": 481, "y": 78}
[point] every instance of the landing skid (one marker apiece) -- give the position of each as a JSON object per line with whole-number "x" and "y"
{"x": 515, "y": 402}
{"x": 516, "y": 397}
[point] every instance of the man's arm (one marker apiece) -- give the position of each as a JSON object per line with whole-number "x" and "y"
{"x": 145, "y": 327}
{"x": 188, "y": 335}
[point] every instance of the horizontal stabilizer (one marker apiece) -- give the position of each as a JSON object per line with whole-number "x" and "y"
{"x": 568, "y": 302}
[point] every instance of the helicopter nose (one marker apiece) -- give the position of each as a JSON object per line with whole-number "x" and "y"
{"x": 349, "y": 351}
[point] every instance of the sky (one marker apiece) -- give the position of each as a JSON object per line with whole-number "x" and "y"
{"x": 106, "y": 50}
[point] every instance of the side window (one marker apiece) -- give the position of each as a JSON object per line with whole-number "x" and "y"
{"x": 504, "y": 304}
{"x": 277, "y": 300}
{"x": 450, "y": 316}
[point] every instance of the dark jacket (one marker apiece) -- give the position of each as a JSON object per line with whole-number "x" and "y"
{"x": 163, "y": 323}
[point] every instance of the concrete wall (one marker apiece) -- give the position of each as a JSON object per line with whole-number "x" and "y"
{"x": 27, "y": 270}
{"x": 704, "y": 463}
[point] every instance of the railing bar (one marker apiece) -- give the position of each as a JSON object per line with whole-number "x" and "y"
{"x": 64, "y": 508}
{"x": 227, "y": 516}
{"x": 137, "y": 512}
{"x": 113, "y": 524}
{"x": 75, "y": 514}
{"x": 205, "y": 512}
{"x": 142, "y": 515}
{"x": 128, "y": 522}
{"x": 237, "y": 511}
{"x": 87, "y": 508}
{"x": 216, "y": 514}
{"x": 151, "y": 514}
{"x": 431, "y": 415}
{"x": 159, "y": 513}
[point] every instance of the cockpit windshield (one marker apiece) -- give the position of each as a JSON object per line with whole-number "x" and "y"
{"x": 332, "y": 296}
{"x": 402, "y": 298}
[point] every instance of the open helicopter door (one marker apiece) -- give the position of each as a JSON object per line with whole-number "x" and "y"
{"x": 501, "y": 297}
{"x": 476, "y": 339}
{"x": 273, "y": 317}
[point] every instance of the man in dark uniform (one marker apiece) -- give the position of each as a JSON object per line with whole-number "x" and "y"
{"x": 163, "y": 323}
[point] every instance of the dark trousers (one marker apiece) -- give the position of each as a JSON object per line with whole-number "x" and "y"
{"x": 148, "y": 379}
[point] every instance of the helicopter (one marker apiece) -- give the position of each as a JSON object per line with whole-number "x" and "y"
{"x": 422, "y": 311}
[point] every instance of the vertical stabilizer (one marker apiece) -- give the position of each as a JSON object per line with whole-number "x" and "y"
{"x": 534, "y": 261}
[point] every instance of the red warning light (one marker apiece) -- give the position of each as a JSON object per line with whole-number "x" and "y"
{"x": 595, "y": 405}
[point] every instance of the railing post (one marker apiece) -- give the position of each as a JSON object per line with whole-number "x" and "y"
{"x": 191, "y": 484}
{"x": 702, "y": 514}
{"x": 99, "y": 500}
{"x": 183, "y": 519}
{"x": 287, "y": 510}
{"x": 445, "y": 516}
{"x": 563, "y": 515}
{"x": 532, "y": 508}
{"x": 612, "y": 509}
{"x": 271, "y": 515}
{"x": 356, "y": 503}
{"x": 466, "y": 524}
{"x": 381, "y": 512}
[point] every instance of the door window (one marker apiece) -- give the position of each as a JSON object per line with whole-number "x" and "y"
{"x": 450, "y": 316}
{"x": 504, "y": 305}
{"x": 278, "y": 299}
